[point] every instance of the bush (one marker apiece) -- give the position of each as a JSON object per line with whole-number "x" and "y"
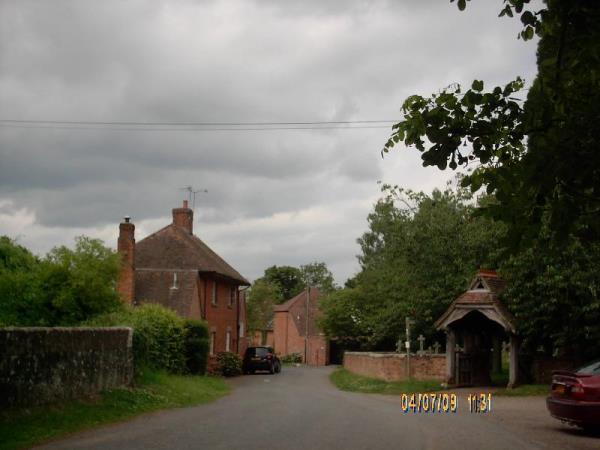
{"x": 229, "y": 364}
{"x": 292, "y": 358}
{"x": 196, "y": 346}
{"x": 159, "y": 336}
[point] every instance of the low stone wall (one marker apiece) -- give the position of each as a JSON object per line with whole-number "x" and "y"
{"x": 392, "y": 366}
{"x": 43, "y": 365}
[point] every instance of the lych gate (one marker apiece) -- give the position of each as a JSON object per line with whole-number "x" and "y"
{"x": 476, "y": 323}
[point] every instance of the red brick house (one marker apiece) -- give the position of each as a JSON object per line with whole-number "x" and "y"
{"x": 174, "y": 268}
{"x": 295, "y": 329}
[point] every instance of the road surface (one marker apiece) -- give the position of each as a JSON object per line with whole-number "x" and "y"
{"x": 300, "y": 409}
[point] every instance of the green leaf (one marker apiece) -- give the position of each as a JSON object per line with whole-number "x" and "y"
{"x": 477, "y": 85}
{"x": 527, "y": 18}
{"x": 529, "y": 31}
{"x": 462, "y": 4}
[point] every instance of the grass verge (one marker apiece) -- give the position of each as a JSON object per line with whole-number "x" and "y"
{"x": 153, "y": 391}
{"x": 525, "y": 390}
{"x": 348, "y": 381}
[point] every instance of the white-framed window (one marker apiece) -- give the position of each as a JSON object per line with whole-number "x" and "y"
{"x": 213, "y": 338}
{"x": 214, "y": 293}
{"x": 228, "y": 341}
{"x": 241, "y": 329}
{"x": 232, "y": 292}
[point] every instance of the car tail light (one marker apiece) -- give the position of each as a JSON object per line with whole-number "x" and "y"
{"x": 577, "y": 391}
{"x": 269, "y": 355}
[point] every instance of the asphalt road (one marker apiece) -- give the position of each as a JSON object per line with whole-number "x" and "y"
{"x": 300, "y": 409}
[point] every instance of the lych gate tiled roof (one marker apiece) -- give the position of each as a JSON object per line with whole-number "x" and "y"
{"x": 490, "y": 278}
{"x": 482, "y": 296}
{"x": 475, "y": 297}
{"x": 173, "y": 247}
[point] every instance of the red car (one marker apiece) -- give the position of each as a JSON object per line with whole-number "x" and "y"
{"x": 575, "y": 396}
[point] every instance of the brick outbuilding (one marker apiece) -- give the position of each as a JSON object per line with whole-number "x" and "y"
{"x": 174, "y": 268}
{"x": 295, "y": 328}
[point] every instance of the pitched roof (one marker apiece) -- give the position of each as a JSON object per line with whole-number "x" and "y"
{"x": 490, "y": 280}
{"x": 301, "y": 297}
{"x": 482, "y": 296}
{"x": 296, "y": 308}
{"x": 172, "y": 247}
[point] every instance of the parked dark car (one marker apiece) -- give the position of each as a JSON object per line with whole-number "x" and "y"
{"x": 575, "y": 396}
{"x": 261, "y": 358}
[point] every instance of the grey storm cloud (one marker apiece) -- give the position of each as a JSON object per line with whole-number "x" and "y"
{"x": 227, "y": 61}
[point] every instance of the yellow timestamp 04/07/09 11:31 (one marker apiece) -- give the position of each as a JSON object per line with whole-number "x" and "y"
{"x": 442, "y": 402}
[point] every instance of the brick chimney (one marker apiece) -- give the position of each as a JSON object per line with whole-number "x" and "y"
{"x": 184, "y": 217}
{"x": 126, "y": 248}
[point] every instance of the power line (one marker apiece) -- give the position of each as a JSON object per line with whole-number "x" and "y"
{"x": 186, "y": 128}
{"x": 190, "y": 124}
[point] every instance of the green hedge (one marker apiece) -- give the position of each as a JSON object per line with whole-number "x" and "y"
{"x": 196, "y": 346}
{"x": 162, "y": 339}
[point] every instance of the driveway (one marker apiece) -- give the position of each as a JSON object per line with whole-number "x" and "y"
{"x": 300, "y": 409}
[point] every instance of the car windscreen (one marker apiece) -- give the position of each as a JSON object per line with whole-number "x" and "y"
{"x": 257, "y": 351}
{"x": 590, "y": 369}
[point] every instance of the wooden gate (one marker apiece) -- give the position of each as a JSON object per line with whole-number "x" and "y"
{"x": 464, "y": 369}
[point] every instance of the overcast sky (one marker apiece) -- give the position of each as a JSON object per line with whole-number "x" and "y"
{"x": 274, "y": 197}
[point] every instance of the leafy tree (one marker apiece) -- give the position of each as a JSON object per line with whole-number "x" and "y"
{"x": 14, "y": 256}
{"x": 64, "y": 288}
{"x": 417, "y": 256}
{"x": 17, "y": 265}
{"x": 540, "y": 157}
{"x": 80, "y": 283}
{"x": 288, "y": 279}
{"x": 344, "y": 317}
{"x": 263, "y": 296}
{"x": 555, "y": 296}
{"x": 317, "y": 274}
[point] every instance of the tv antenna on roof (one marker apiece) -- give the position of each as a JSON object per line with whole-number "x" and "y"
{"x": 192, "y": 194}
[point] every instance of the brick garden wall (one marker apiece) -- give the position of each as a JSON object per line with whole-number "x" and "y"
{"x": 392, "y": 366}
{"x": 43, "y": 365}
